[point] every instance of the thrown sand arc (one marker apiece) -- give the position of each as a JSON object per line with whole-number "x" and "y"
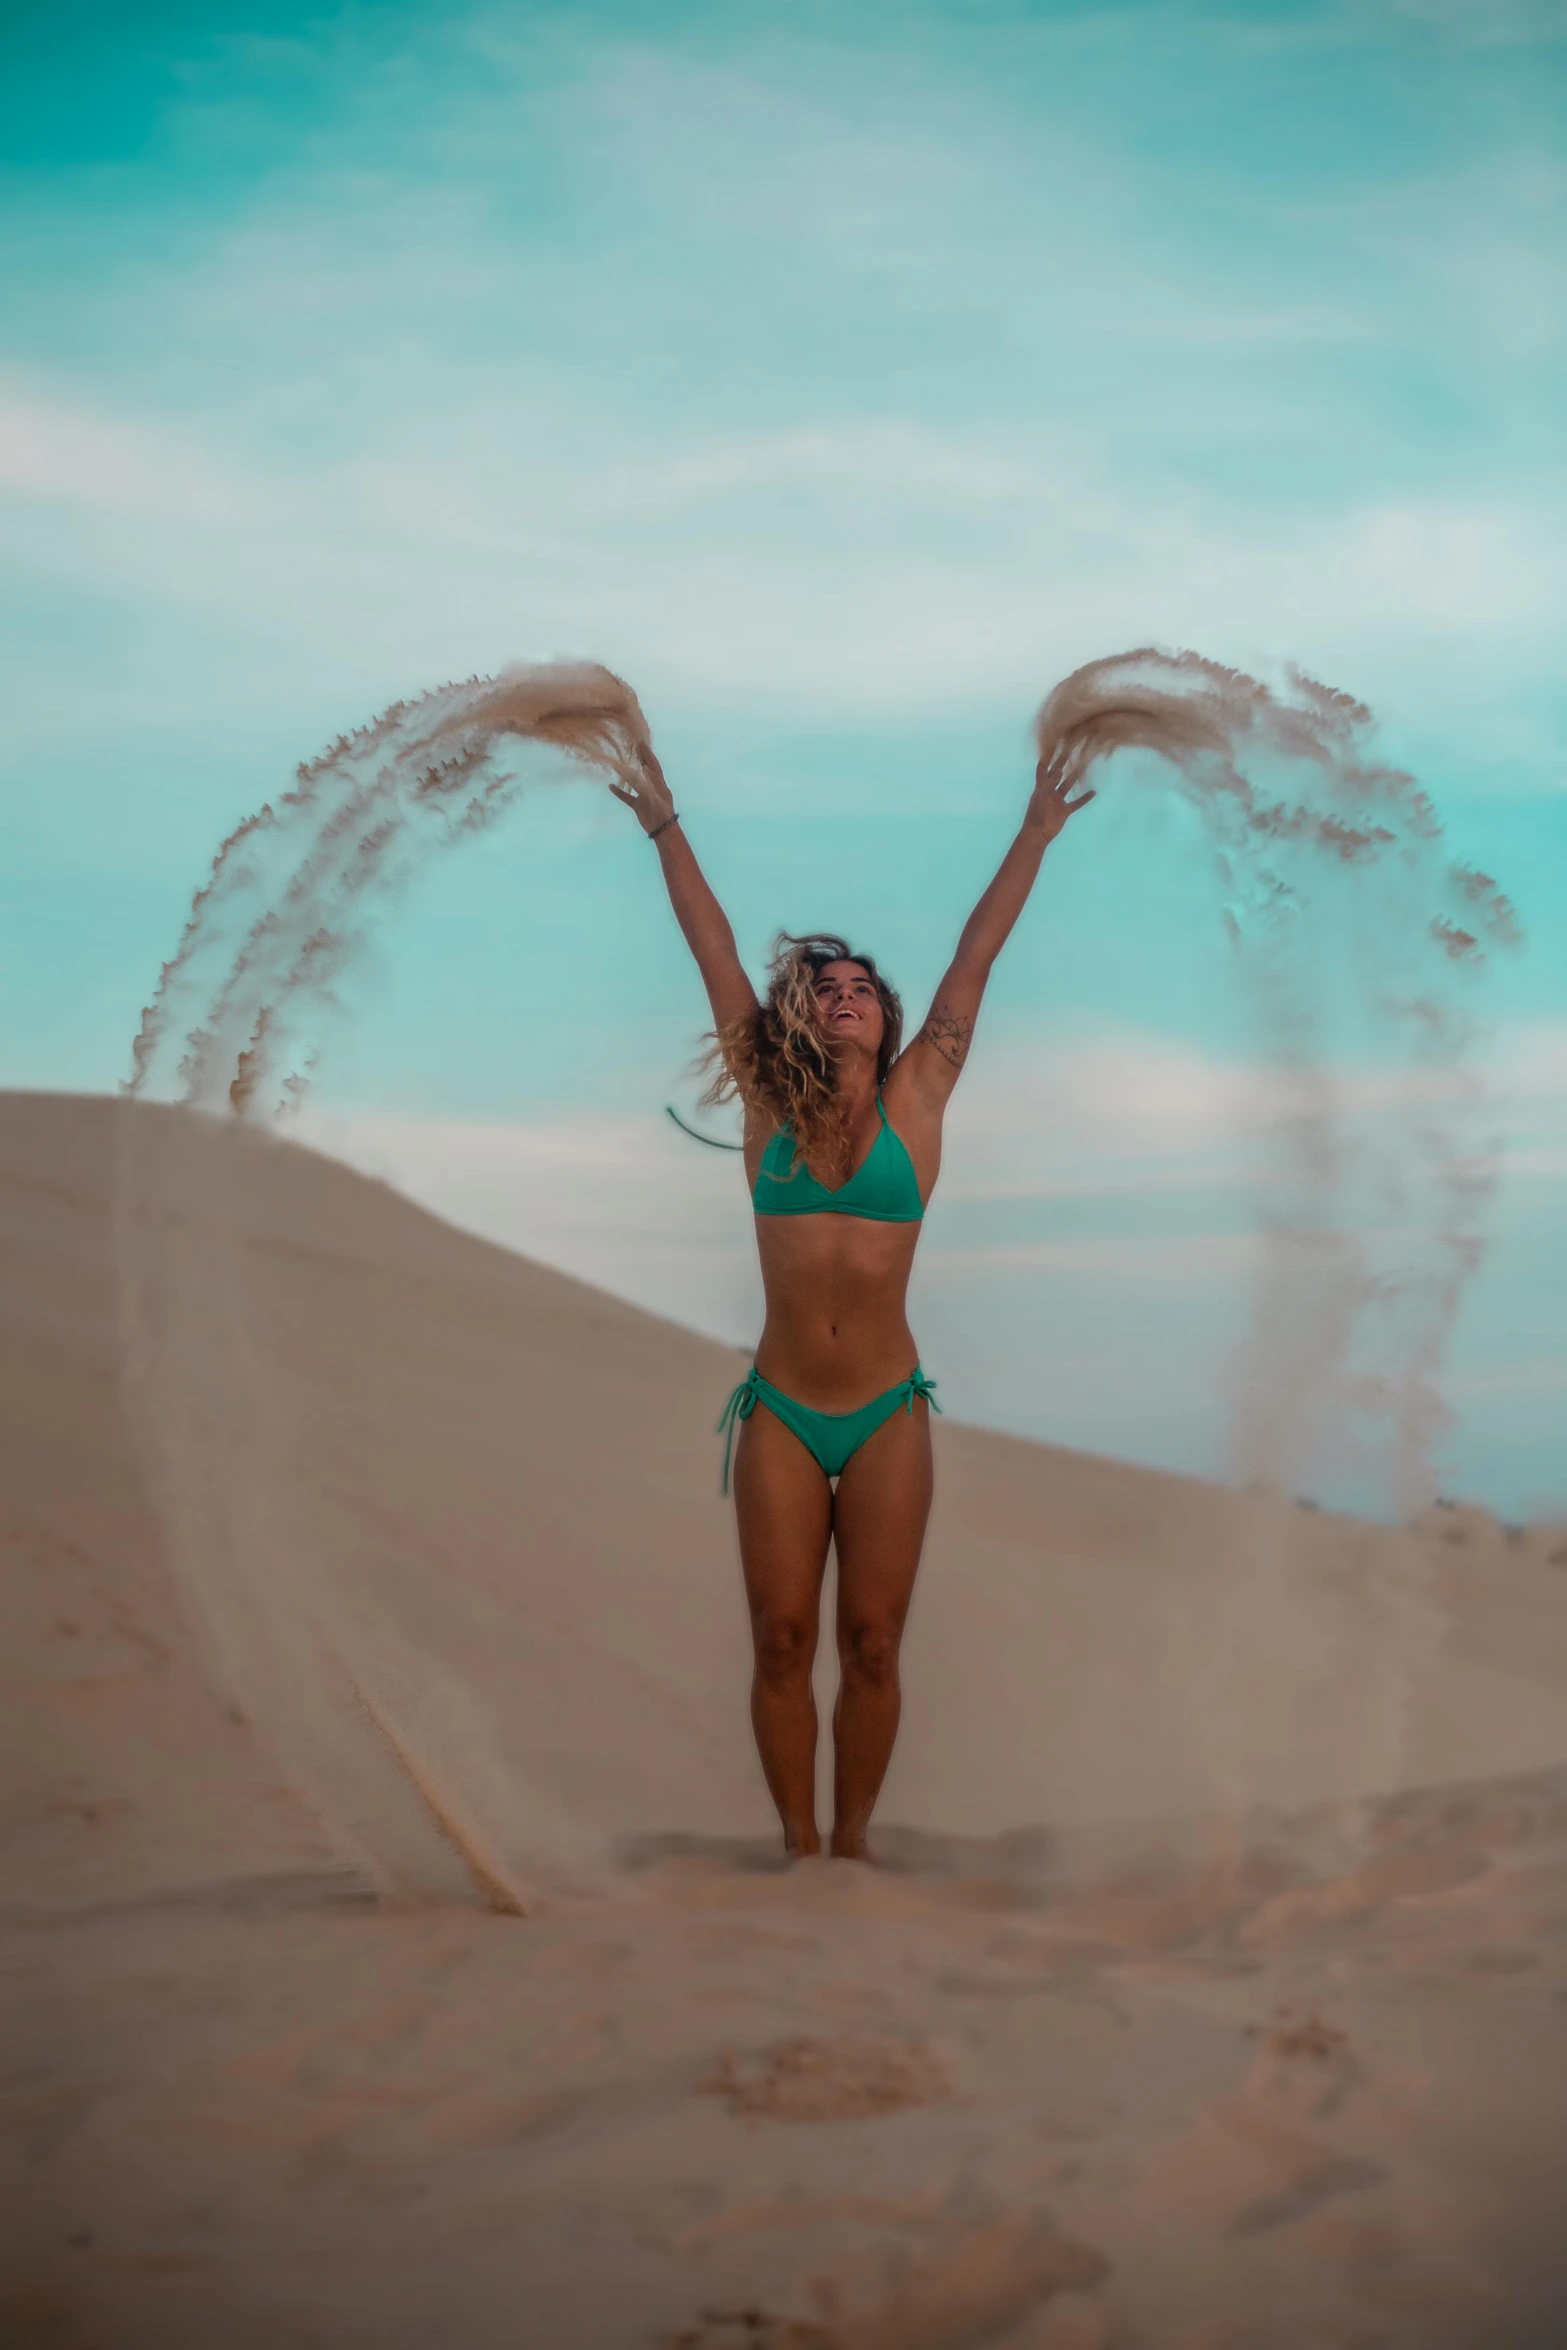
{"x": 1303, "y": 820}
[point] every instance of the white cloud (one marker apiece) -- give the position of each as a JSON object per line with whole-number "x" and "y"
{"x": 66, "y": 453}
{"x": 1113, "y": 1119}
{"x": 557, "y": 1189}
{"x": 1123, "y": 1112}
{"x": 1530, "y": 1060}
{"x": 418, "y": 431}
{"x": 1449, "y": 564}
{"x": 883, "y": 565}
{"x": 1091, "y": 1257}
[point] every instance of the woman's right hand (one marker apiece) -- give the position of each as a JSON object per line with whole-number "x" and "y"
{"x": 651, "y": 801}
{"x": 1057, "y": 793}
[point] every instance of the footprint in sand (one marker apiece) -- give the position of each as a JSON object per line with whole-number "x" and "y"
{"x": 748, "y": 2329}
{"x": 1304, "y": 2068}
{"x": 987, "y": 2283}
{"x": 808, "y": 2080}
{"x": 991, "y": 2283}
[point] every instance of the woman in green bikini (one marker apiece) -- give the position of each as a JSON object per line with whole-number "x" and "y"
{"x": 842, "y": 1150}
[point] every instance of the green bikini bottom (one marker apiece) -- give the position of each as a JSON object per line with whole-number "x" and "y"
{"x": 832, "y": 1438}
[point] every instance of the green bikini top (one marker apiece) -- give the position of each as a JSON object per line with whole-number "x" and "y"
{"x": 882, "y": 1188}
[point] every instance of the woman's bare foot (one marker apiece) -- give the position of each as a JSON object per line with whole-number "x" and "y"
{"x": 849, "y": 1845}
{"x": 802, "y": 1843}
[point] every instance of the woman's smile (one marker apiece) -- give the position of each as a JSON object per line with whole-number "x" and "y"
{"x": 846, "y": 1001}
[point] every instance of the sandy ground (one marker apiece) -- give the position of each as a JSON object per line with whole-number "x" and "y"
{"x": 1212, "y": 1994}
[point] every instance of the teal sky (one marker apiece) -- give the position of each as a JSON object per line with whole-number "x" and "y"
{"x": 843, "y": 375}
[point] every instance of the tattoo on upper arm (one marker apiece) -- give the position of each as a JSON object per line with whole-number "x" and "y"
{"x": 950, "y": 1037}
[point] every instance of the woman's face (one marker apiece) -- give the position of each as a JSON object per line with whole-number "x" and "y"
{"x": 848, "y": 1006}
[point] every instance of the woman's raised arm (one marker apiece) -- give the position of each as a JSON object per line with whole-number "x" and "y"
{"x": 702, "y": 919}
{"x": 936, "y": 1056}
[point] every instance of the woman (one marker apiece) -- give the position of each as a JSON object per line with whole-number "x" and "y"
{"x": 842, "y": 1150}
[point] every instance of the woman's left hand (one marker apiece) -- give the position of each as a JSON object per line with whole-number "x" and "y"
{"x": 1056, "y": 794}
{"x": 651, "y": 801}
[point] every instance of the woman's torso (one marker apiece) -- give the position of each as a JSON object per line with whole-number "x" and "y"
{"x": 836, "y": 1283}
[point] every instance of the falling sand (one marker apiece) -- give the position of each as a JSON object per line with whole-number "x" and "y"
{"x": 1351, "y": 926}
{"x": 347, "y": 1710}
{"x": 1342, "y": 907}
{"x": 1339, "y": 899}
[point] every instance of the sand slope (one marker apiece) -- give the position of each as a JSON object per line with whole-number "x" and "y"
{"x": 1031, "y": 2084}
{"x": 516, "y": 1478}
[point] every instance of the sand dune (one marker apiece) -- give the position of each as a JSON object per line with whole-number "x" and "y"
{"x": 1211, "y": 1994}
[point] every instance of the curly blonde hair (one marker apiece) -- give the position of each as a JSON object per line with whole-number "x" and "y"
{"x": 779, "y": 1058}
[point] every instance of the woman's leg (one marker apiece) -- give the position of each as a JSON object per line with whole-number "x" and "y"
{"x": 879, "y": 1515}
{"x": 783, "y": 1506}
